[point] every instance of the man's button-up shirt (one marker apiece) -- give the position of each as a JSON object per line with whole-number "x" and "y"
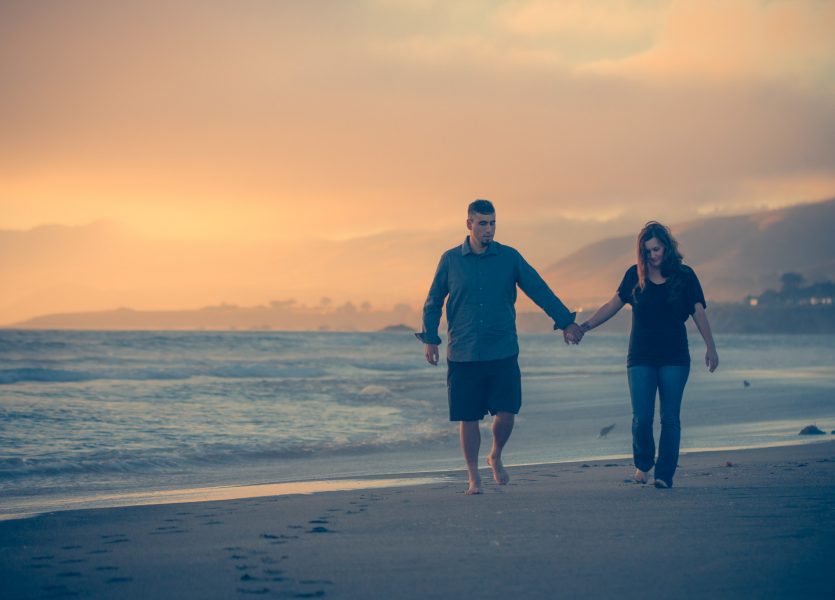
{"x": 480, "y": 294}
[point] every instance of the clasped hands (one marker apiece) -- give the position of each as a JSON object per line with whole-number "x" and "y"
{"x": 572, "y": 334}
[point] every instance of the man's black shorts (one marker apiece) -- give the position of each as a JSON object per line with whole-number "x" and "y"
{"x": 476, "y": 388}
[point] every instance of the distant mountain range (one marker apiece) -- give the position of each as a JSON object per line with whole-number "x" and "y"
{"x": 68, "y": 277}
{"x": 104, "y": 265}
{"x": 733, "y": 256}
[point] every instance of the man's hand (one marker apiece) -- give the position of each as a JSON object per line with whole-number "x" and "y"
{"x": 430, "y": 351}
{"x": 572, "y": 334}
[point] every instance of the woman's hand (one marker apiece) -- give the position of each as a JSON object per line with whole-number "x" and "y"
{"x": 711, "y": 359}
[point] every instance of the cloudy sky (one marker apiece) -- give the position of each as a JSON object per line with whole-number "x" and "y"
{"x": 271, "y": 120}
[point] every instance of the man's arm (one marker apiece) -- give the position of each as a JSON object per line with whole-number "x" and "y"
{"x": 537, "y": 290}
{"x": 432, "y": 310}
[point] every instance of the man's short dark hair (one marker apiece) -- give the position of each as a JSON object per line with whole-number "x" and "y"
{"x": 482, "y": 207}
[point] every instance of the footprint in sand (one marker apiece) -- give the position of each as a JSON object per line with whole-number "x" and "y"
{"x": 320, "y": 529}
{"x": 278, "y": 539}
{"x": 274, "y": 572}
{"x": 118, "y": 538}
{"x": 168, "y": 529}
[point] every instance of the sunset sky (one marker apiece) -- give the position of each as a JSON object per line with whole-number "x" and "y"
{"x": 270, "y": 121}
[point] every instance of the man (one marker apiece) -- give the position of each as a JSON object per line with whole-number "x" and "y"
{"x": 480, "y": 277}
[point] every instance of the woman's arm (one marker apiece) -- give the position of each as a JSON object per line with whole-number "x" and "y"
{"x": 711, "y": 356}
{"x": 603, "y": 314}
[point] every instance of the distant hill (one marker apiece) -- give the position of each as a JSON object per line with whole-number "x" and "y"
{"x": 733, "y": 256}
{"x": 279, "y": 316}
{"x": 74, "y": 277}
{"x": 103, "y": 265}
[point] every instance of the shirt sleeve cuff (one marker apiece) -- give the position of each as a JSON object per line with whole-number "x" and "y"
{"x": 569, "y": 319}
{"x": 428, "y": 339}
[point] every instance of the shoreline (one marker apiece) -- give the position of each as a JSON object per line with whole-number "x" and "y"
{"x": 158, "y": 497}
{"x": 738, "y": 523}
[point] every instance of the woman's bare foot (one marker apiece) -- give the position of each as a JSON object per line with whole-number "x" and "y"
{"x": 475, "y": 487}
{"x": 641, "y": 476}
{"x": 500, "y": 475}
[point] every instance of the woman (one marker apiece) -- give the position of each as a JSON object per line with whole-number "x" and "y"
{"x": 663, "y": 293}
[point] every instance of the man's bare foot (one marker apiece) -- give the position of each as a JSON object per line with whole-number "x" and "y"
{"x": 499, "y": 473}
{"x": 641, "y": 476}
{"x": 475, "y": 488}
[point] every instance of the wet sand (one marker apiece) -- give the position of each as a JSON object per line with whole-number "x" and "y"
{"x": 739, "y": 523}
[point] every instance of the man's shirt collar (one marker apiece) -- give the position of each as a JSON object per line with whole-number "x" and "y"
{"x": 493, "y": 248}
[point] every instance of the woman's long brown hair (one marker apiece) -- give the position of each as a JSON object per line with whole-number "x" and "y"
{"x": 670, "y": 264}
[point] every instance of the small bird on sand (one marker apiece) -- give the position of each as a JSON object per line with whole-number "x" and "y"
{"x": 605, "y": 431}
{"x": 746, "y": 383}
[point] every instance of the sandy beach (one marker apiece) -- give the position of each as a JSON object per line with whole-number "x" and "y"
{"x": 739, "y": 523}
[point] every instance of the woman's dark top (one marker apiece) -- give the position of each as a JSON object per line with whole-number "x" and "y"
{"x": 659, "y": 336}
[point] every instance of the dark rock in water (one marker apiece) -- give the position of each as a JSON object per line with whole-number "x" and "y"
{"x": 811, "y": 430}
{"x": 605, "y": 431}
{"x": 746, "y": 383}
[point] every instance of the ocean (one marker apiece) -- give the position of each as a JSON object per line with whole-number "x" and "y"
{"x": 92, "y": 418}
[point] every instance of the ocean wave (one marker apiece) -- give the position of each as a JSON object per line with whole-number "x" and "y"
{"x": 401, "y": 367}
{"x": 8, "y": 376}
{"x": 115, "y": 462}
{"x": 220, "y": 371}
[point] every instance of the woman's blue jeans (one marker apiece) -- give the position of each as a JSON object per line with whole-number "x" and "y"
{"x": 668, "y": 382}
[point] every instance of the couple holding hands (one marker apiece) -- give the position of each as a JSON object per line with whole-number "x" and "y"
{"x": 478, "y": 282}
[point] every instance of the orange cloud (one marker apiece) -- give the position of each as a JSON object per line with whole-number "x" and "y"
{"x": 746, "y": 39}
